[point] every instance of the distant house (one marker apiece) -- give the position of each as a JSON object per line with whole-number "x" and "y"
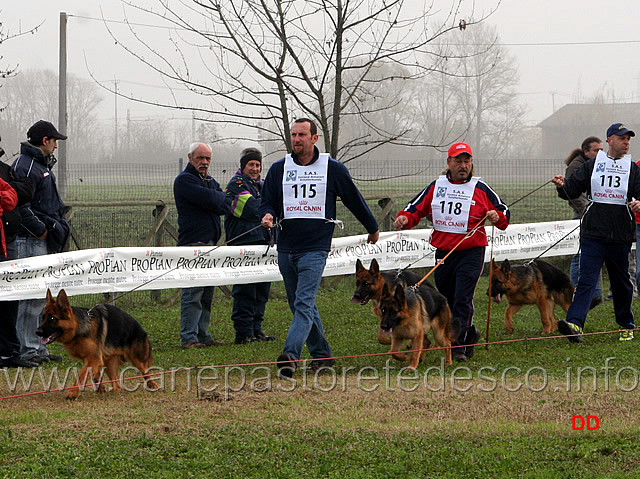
{"x": 570, "y": 125}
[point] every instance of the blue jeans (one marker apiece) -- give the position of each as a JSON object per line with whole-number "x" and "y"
{"x": 616, "y": 257}
{"x": 30, "y": 310}
{"x": 302, "y": 273}
{"x": 574, "y": 274}
{"x": 195, "y": 314}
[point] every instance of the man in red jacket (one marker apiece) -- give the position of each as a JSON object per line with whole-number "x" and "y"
{"x": 455, "y": 204}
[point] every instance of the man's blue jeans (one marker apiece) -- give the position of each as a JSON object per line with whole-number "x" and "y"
{"x": 30, "y": 310}
{"x": 302, "y": 273}
{"x": 195, "y": 314}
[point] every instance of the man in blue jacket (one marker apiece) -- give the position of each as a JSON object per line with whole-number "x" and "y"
{"x": 200, "y": 201}
{"x": 608, "y": 228}
{"x": 44, "y": 228}
{"x": 300, "y": 191}
{"x": 242, "y": 227}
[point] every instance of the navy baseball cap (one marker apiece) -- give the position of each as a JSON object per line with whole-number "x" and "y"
{"x": 619, "y": 129}
{"x": 43, "y": 128}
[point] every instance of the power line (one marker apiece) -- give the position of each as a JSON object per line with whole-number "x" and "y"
{"x": 532, "y": 44}
{"x": 123, "y": 22}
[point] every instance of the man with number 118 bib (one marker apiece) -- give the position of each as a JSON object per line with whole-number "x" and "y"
{"x": 456, "y": 203}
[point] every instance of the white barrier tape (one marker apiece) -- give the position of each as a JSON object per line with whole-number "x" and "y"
{"x": 117, "y": 270}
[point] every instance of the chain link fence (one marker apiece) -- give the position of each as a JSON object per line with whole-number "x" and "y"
{"x": 115, "y": 205}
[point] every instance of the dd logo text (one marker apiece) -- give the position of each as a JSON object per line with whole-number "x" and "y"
{"x": 590, "y": 423}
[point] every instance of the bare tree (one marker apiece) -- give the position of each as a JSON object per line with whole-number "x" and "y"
{"x": 33, "y": 95}
{"x": 260, "y": 64}
{"x": 10, "y": 70}
{"x": 476, "y": 93}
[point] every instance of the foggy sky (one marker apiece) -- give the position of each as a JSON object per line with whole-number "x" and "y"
{"x": 537, "y": 33}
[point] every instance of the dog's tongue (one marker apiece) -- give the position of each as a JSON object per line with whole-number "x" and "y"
{"x": 498, "y": 298}
{"x": 47, "y": 340}
{"x": 387, "y": 331}
{"x": 354, "y": 300}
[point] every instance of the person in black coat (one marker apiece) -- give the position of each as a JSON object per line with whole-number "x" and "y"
{"x": 242, "y": 227}
{"x": 200, "y": 202}
{"x": 9, "y": 343}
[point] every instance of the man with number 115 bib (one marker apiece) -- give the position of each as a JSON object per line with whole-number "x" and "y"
{"x": 301, "y": 192}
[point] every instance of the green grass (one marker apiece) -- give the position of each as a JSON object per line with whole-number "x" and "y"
{"x": 320, "y": 431}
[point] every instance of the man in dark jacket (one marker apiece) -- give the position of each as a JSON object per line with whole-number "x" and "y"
{"x": 9, "y": 343}
{"x": 301, "y": 191}
{"x": 200, "y": 201}
{"x": 242, "y": 227}
{"x": 588, "y": 150}
{"x": 44, "y": 228}
{"x": 608, "y": 228}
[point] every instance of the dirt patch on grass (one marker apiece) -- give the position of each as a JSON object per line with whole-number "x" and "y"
{"x": 375, "y": 406}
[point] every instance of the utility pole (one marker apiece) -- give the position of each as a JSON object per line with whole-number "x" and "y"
{"x": 115, "y": 123}
{"x": 62, "y": 105}
{"x": 193, "y": 126}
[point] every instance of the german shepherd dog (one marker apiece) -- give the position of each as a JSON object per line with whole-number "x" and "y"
{"x": 102, "y": 336}
{"x": 369, "y": 283}
{"x": 405, "y": 315}
{"x": 536, "y": 282}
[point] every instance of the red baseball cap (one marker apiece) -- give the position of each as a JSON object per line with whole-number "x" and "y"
{"x": 459, "y": 148}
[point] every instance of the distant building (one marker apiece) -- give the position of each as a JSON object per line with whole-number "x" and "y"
{"x": 567, "y": 127}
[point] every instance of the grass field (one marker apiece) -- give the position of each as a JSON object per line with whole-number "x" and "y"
{"x": 507, "y": 413}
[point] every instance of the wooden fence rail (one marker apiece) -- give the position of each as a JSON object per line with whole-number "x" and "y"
{"x": 155, "y": 236}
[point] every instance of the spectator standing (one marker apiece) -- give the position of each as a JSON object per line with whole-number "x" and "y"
{"x": 455, "y": 204}
{"x": 301, "y": 190}
{"x": 607, "y": 230}
{"x": 9, "y": 343}
{"x": 587, "y": 151}
{"x": 249, "y": 300}
{"x": 44, "y": 228}
{"x": 637, "y": 269}
{"x": 200, "y": 202}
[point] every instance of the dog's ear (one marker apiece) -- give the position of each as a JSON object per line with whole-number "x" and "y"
{"x": 359, "y": 265}
{"x": 374, "y": 268}
{"x": 506, "y": 266}
{"x": 385, "y": 290}
{"x": 50, "y": 298}
{"x": 63, "y": 300}
{"x": 400, "y": 297}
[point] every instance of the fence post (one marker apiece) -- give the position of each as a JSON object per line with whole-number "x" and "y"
{"x": 158, "y": 240}
{"x": 386, "y": 204}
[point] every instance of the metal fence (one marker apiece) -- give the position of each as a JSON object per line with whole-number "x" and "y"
{"x": 397, "y": 180}
{"x": 119, "y": 204}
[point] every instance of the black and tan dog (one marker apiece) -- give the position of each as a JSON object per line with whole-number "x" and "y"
{"x": 369, "y": 283}
{"x": 405, "y": 315}
{"x": 536, "y": 282}
{"x": 104, "y": 336}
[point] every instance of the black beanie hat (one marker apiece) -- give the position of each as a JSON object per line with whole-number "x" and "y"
{"x": 249, "y": 154}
